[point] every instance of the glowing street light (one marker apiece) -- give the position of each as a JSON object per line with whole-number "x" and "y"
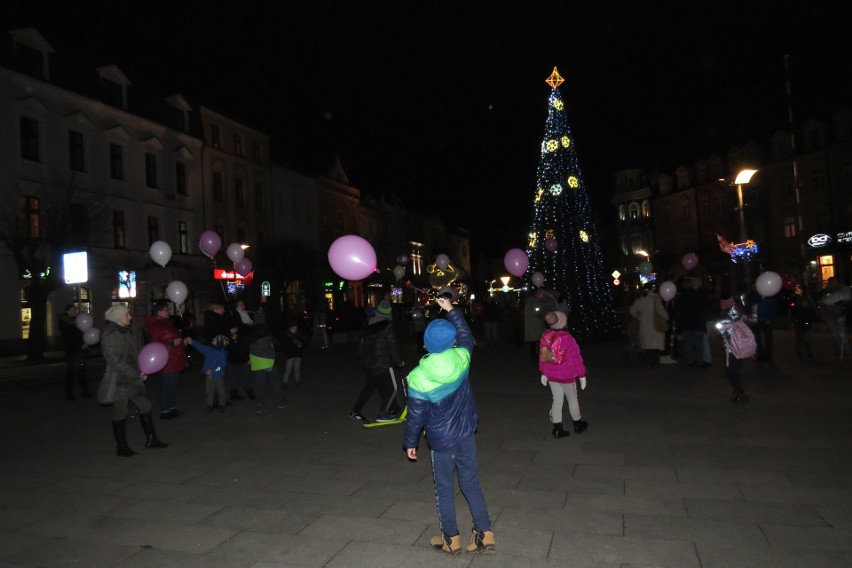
{"x": 742, "y": 178}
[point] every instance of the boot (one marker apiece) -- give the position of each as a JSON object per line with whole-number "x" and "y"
{"x": 235, "y": 394}
{"x": 449, "y": 544}
{"x": 559, "y": 431}
{"x": 151, "y": 440}
{"x": 250, "y": 394}
{"x": 481, "y": 542}
{"x": 580, "y": 426}
{"x": 120, "y": 431}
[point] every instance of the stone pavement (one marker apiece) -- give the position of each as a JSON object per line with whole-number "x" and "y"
{"x": 669, "y": 473}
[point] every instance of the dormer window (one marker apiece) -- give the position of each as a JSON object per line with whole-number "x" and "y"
{"x": 112, "y": 93}
{"x": 179, "y": 112}
{"x": 113, "y": 86}
{"x": 31, "y": 53}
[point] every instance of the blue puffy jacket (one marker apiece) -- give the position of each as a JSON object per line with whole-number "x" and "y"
{"x": 439, "y": 395}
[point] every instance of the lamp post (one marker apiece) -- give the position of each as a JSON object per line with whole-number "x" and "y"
{"x": 743, "y": 178}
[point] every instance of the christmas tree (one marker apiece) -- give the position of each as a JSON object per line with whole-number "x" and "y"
{"x": 563, "y": 244}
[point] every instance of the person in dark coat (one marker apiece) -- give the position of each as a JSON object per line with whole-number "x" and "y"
{"x": 120, "y": 345}
{"x": 75, "y": 354}
{"x": 379, "y": 354}
{"x": 161, "y": 330}
{"x": 691, "y": 322}
{"x": 294, "y": 348}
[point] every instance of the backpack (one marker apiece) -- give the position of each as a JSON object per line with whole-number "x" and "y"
{"x": 740, "y": 340}
{"x": 551, "y": 350}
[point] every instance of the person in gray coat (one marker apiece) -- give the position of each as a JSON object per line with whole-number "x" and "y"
{"x": 120, "y": 347}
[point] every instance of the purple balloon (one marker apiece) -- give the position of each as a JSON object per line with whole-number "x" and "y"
{"x": 402, "y": 260}
{"x": 516, "y": 262}
{"x": 244, "y": 266}
{"x": 689, "y": 260}
{"x": 152, "y": 358}
{"x": 352, "y": 258}
{"x": 551, "y": 245}
{"x": 210, "y": 243}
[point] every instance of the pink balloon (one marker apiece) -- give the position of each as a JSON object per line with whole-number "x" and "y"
{"x": 538, "y": 279}
{"x": 177, "y": 292}
{"x": 210, "y": 243}
{"x": 152, "y": 358}
{"x": 91, "y": 336}
{"x": 668, "y": 290}
{"x": 516, "y": 262}
{"x": 244, "y": 266}
{"x": 443, "y": 261}
{"x": 689, "y": 260}
{"x": 84, "y": 321}
{"x": 352, "y": 257}
{"x": 551, "y": 245}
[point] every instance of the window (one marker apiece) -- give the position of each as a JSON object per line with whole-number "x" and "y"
{"x": 789, "y": 227}
{"x": 819, "y": 178}
{"x": 634, "y": 211}
{"x": 116, "y": 161}
{"x": 239, "y": 192}
{"x": 686, "y": 211}
{"x": 32, "y": 217}
{"x": 183, "y": 238}
{"x": 258, "y": 196}
{"x": 153, "y": 230}
{"x": 215, "y": 136}
{"x": 118, "y": 229}
{"x": 76, "y": 160}
{"x": 256, "y": 152}
{"x": 238, "y": 145}
{"x": 180, "y": 178}
{"x": 786, "y": 187}
{"x": 717, "y": 203}
{"x": 29, "y": 139}
{"x": 624, "y": 244}
{"x": 178, "y": 118}
{"x": 151, "y": 170}
{"x": 704, "y": 206}
{"x": 111, "y": 93}
{"x": 220, "y": 230}
{"x": 218, "y": 188}
{"x": 621, "y": 214}
{"x": 646, "y": 209}
{"x": 31, "y": 60}
{"x": 241, "y": 234}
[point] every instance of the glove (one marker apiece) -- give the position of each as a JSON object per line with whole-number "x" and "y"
{"x": 582, "y": 383}
{"x": 544, "y": 380}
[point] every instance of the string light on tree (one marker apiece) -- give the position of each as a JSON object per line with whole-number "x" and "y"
{"x": 576, "y": 268}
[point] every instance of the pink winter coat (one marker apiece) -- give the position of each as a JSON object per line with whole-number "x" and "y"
{"x": 571, "y": 366}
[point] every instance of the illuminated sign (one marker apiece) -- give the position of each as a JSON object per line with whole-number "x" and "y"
{"x": 222, "y": 274}
{"x": 75, "y": 267}
{"x": 819, "y": 240}
{"x": 844, "y": 238}
{"x": 126, "y": 284}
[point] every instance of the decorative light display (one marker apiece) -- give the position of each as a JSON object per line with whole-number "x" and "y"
{"x": 742, "y": 251}
{"x": 552, "y": 145}
{"x": 556, "y": 189}
{"x": 577, "y": 268}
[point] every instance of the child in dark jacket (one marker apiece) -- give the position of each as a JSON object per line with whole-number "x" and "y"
{"x": 293, "y": 349}
{"x": 215, "y": 359}
{"x": 440, "y": 401}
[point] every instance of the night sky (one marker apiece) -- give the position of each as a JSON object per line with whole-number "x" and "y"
{"x": 443, "y": 103}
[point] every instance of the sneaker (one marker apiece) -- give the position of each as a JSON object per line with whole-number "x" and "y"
{"x": 356, "y": 416}
{"x": 260, "y": 409}
{"x": 481, "y": 542}
{"x": 282, "y": 404}
{"x": 449, "y": 544}
{"x": 385, "y": 417}
{"x": 667, "y": 360}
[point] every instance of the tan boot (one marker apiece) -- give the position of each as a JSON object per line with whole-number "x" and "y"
{"x": 481, "y": 542}
{"x": 449, "y": 544}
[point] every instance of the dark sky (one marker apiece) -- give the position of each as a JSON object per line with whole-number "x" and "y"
{"x": 444, "y": 103}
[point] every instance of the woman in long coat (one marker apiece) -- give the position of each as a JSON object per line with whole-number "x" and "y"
{"x": 651, "y": 341}
{"x": 120, "y": 346}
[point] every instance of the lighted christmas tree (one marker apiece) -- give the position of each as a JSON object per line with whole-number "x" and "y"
{"x": 563, "y": 244}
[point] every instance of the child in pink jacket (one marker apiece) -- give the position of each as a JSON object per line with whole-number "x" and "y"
{"x": 562, "y": 367}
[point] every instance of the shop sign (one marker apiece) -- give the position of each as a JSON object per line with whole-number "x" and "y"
{"x": 819, "y": 240}
{"x": 845, "y": 238}
{"x": 222, "y": 274}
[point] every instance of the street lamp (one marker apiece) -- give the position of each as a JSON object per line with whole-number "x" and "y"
{"x": 743, "y": 178}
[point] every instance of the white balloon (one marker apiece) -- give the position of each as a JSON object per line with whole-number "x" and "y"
{"x": 443, "y": 261}
{"x": 768, "y": 284}
{"x": 668, "y": 290}
{"x": 537, "y": 279}
{"x": 177, "y": 292}
{"x": 235, "y": 252}
{"x": 160, "y": 252}
{"x": 84, "y": 322}
{"x": 91, "y": 336}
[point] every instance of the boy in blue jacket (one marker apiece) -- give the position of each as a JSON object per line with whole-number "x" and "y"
{"x": 441, "y": 402}
{"x": 215, "y": 359}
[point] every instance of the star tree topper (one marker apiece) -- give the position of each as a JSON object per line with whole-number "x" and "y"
{"x": 555, "y": 79}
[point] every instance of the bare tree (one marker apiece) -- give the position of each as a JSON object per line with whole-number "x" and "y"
{"x": 37, "y": 228}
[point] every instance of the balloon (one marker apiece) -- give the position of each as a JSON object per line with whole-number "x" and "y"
{"x": 551, "y": 245}
{"x": 160, "y": 252}
{"x": 402, "y": 260}
{"x": 538, "y": 279}
{"x": 443, "y": 261}
{"x": 645, "y": 268}
{"x": 668, "y": 290}
{"x": 91, "y": 336}
{"x": 689, "y": 260}
{"x": 243, "y": 267}
{"x": 152, "y": 358}
{"x": 352, "y": 257}
{"x": 176, "y": 292}
{"x": 84, "y": 322}
{"x": 399, "y": 272}
{"x": 235, "y": 252}
{"x": 768, "y": 284}
{"x": 516, "y": 262}
{"x": 210, "y": 243}
{"x": 789, "y": 282}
